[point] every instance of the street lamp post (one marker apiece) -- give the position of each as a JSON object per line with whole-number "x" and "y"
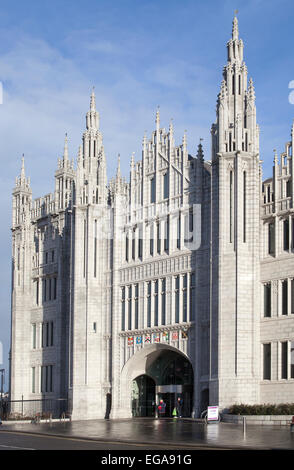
{"x": 2, "y": 384}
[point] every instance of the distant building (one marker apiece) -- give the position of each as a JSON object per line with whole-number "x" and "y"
{"x": 179, "y": 282}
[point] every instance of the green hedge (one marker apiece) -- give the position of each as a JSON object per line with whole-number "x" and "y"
{"x": 265, "y": 409}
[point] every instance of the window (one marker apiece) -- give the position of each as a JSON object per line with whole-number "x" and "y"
{"x": 286, "y": 234}
{"x": 156, "y": 303}
{"x": 123, "y": 308}
{"x": 271, "y": 238}
{"x": 192, "y": 301}
{"x": 165, "y": 185}
{"x": 231, "y": 205}
{"x": 292, "y": 360}
{"x": 266, "y": 361}
{"x": 140, "y": 243}
{"x": 163, "y": 308}
{"x": 95, "y": 248}
{"x": 46, "y": 378}
{"x": 152, "y": 190}
{"x": 185, "y": 297}
{"x": 177, "y": 299}
{"x": 292, "y": 296}
{"x": 127, "y": 247}
{"x": 129, "y": 307}
{"x": 267, "y": 300}
{"x": 37, "y": 291}
{"x": 284, "y": 360}
{"x": 136, "y": 306}
{"x": 151, "y": 239}
{"x": 148, "y": 304}
{"x": 47, "y": 334}
{"x": 34, "y": 335}
{"x": 285, "y": 297}
{"x": 166, "y": 235}
{"x": 179, "y": 232}
{"x": 33, "y": 380}
{"x": 158, "y": 238}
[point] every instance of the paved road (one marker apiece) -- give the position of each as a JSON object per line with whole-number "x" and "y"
{"x": 148, "y": 433}
{"x": 13, "y": 440}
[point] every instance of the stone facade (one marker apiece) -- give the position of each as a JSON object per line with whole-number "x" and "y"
{"x": 190, "y": 256}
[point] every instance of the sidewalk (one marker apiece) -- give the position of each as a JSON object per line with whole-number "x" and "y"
{"x": 176, "y": 432}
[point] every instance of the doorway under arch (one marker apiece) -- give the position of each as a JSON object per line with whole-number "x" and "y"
{"x": 168, "y": 375}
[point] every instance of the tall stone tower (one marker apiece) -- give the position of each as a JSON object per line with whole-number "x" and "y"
{"x": 235, "y": 290}
{"x": 90, "y": 310}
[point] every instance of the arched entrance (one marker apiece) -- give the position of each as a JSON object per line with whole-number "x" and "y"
{"x": 168, "y": 375}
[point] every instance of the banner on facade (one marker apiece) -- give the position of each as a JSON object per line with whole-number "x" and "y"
{"x": 147, "y": 339}
{"x": 184, "y": 335}
{"x": 130, "y": 341}
{"x": 156, "y": 337}
{"x": 175, "y": 336}
{"x": 138, "y": 339}
{"x": 165, "y": 337}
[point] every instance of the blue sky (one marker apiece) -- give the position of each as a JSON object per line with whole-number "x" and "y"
{"x": 138, "y": 54}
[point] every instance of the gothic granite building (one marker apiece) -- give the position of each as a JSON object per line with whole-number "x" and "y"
{"x": 179, "y": 282}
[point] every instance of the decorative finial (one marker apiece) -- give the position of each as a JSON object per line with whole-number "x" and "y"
{"x": 65, "y": 153}
{"x": 93, "y": 100}
{"x": 235, "y": 32}
{"x": 22, "y": 174}
{"x": 157, "y": 121}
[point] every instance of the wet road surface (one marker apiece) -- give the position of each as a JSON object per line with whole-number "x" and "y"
{"x": 153, "y": 434}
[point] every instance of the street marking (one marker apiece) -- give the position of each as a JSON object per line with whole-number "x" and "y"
{"x": 14, "y": 447}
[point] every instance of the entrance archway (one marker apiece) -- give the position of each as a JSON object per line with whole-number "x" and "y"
{"x": 165, "y": 373}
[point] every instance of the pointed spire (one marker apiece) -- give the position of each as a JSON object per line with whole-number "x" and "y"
{"x": 275, "y": 157}
{"x": 235, "y": 31}
{"x": 22, "y": 173}
{"x": 93, "y": 100}
{"x": 157, "y": 120}
{"x": 133, "y": 160}
{"x": 65, "y": 152}
{"x": 118, "y": 173}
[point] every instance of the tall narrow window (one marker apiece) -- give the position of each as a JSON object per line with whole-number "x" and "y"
{"x": 292, "y": 296}
{"x": 134, "y": 244}
{"x": 33, "y": 380}
{"x": 151, "y": 239}
{"x": 34, "y": 335}
{"x": 244, "y": 206}
{"x": 55, "y": 288}
{"x": 85, "y": 246}
{"x": 152, "y": 190}
{"x": 127, "y": 246}
{"x": 286, "y": 234}
{"x": 179, "y": 232}
{"x": 271, "y": 238}
{"x": 140, "y": 243}
{"x": 136, "y": 306}
{"x": 239, "y": 76}
{"x": 285, "y": 297}
{"x": 284, "y": 360}
{"x": 267, "y": 300}
{"x": 166, "y": 235}
{"x": 129, "y": 307}
{"x": 163, "y": 299}
{"x": 233, "y": 84}
{"x": 192, "y": 294}
{"x": 158, "y": 238}
{"x": 149, "y": 304}
{"x": 156, "y": 303}
{"x": 123, "y": 308}
{"x": 267, "y": 361}
{"x": 165, "y": 185}
{"x": 185, "y": 298}
{"x": 231, "y": 206}
{"x": 95, "y": 248}
{"x": 37, "y": 291}
{"x": 44, "y": 289}
{"x": 177, "y": 299}
{"x": 292, "y": 360}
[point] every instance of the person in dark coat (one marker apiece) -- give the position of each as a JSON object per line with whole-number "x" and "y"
{"x": 179, "y": 407}
{"x": 161, "y": 409}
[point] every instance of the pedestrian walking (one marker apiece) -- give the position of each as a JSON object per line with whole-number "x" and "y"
{"x": 161, "y": 409}
{"x": 179, "y": 407}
